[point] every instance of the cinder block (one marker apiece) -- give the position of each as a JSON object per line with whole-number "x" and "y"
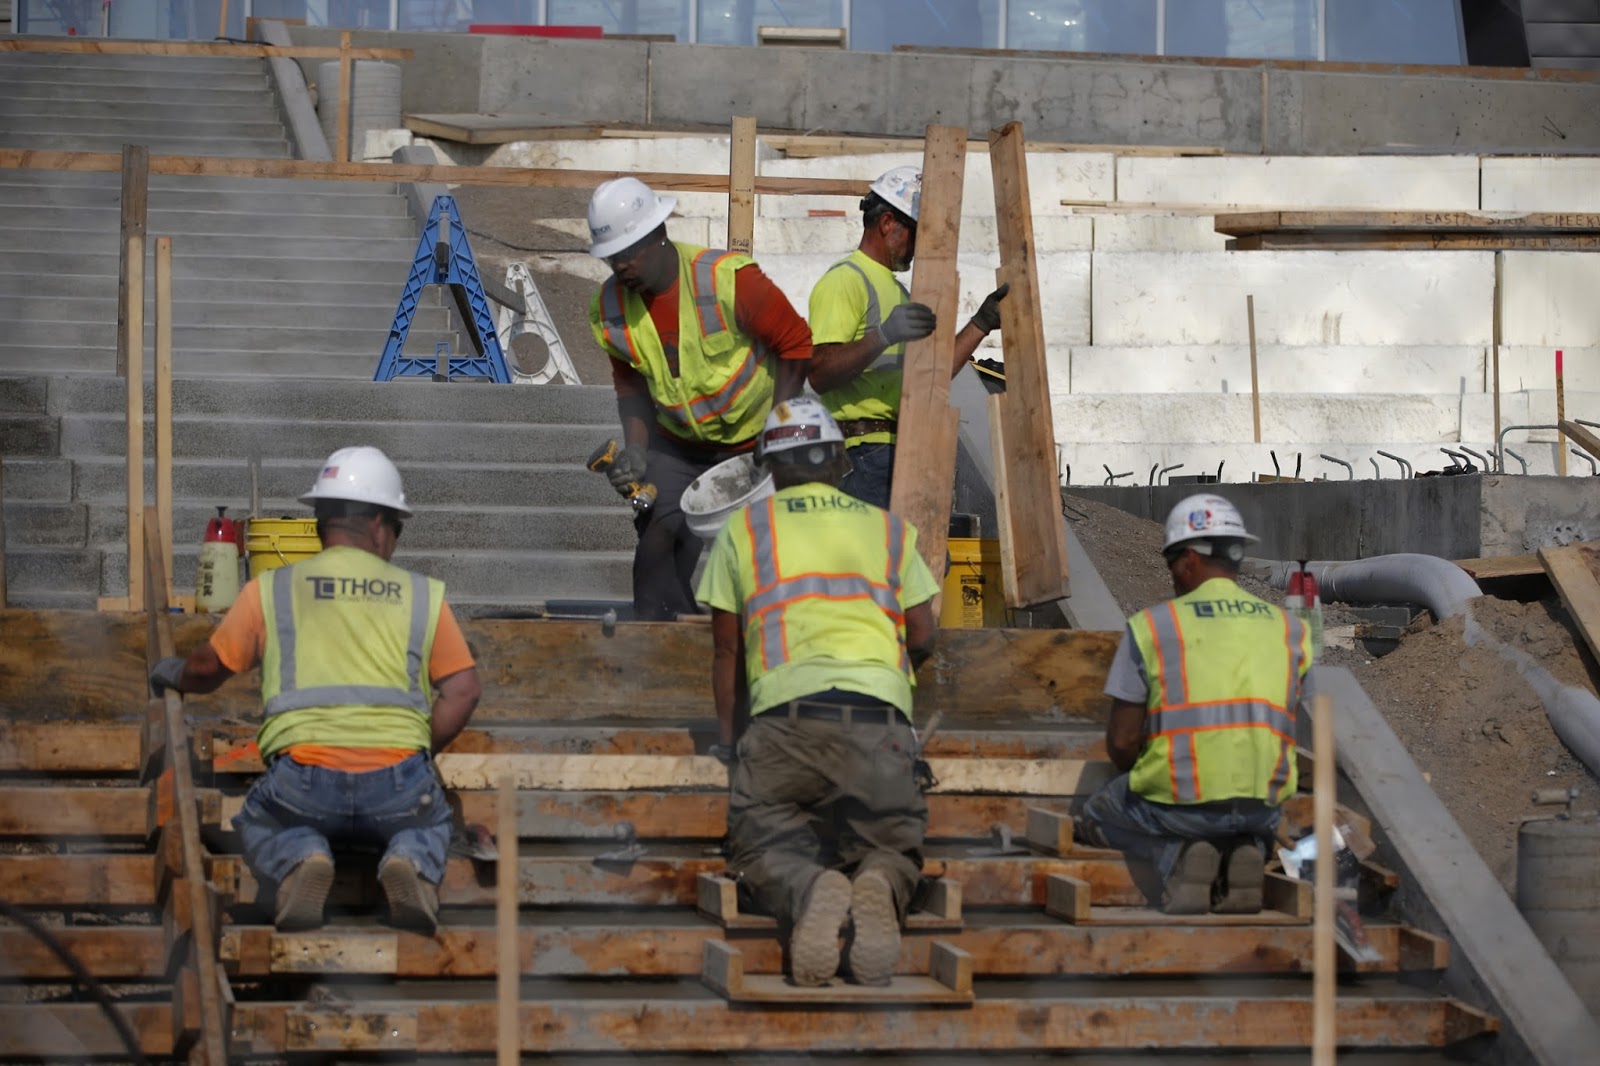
{"x": 1225, "y": 369}
{"x": 1541, "y": 183}
{"x": 1393, "y": 183}
{"x": 1549, "y": 298}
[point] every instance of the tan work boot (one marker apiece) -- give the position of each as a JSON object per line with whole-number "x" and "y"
{"x": 302, "y": 894}
{"x": 814, "y": 945}
{"x": 1243, "y": 877}
{"x": 875, "y": 947}
{"x": 1188, "y": 890}
{"x": 413, "y": 902}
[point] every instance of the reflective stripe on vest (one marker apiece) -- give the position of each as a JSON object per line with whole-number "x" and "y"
{"x": 773, "y": 594}
{"x": 874, "y": 319}
{"x": 706, "y": 306}
{"x": 291, "y": 698}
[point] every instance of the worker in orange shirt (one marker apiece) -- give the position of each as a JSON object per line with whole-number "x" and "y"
{"x": 364, "y": 674}
{"x": 702, "y": 345}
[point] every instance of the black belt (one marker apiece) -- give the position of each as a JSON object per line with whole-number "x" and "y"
{"x": 848, "y": 714}
{"x": 861, "y": 427}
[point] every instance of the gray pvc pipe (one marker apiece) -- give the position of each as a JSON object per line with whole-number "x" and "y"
{"x": 1437, "y": 584}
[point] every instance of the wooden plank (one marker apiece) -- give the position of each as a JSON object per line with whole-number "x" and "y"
{"x": 1496, "y": 332}
{"x": 1572, "y": 572}
{"x": 111, "y": 953}
{"x": 1049, "y": 831}
{"x": 1067, "y": 898}
{"x": 567, "y": 671}
{"x": 1152, "y": 920}
{"x": 1032, "y": 521}
{"x": 68, "y": 1032}
{"x": 924, "y": 458}
{"x": 393, "y": 1030}
{"x": 813, "y": 146}
{"x": 82, "y": 45}
{"x": 642, "y": 1024}
{"x": 78, "y": 880}
{"x": 1290, "y": 895}
{"x": 741, "y": 185}
{"x": 163, "y": 402}
{"x": 2, "y": 533}
{"x": 496, "y": 128}
{"x": 341, "y": 151}
{"x": 508, "y": 965}
{"x": 1582, "y": 436}
{"x": 59, "y": 747}
{"x": 1255, "y": 385}
{"x": 67, "y": 811}
{"x": 1241, "y": 223}
{"x": 724, "y": 973}
{"x": 717, "y": 899}
{"x": 1400, "y": 240}
{"x": 1325, "y": 988}
{"x": 509, "y": 177}
{"x": 1497, "y": 566}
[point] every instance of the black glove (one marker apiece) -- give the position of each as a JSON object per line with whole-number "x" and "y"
{"x": 628, "y": 467}
{"x": 907, "y": 322}
{"x": 165, "y": 674}
{"x": 987, "y": 317}
{"x": 723, "y": 753}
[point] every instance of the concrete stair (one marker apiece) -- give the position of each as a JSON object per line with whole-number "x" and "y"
{"x": 506, "y": 514}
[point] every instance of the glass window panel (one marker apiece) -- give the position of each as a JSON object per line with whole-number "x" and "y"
{"x": 736, "y": 21}
{"x": 623, "y": 16}
{"x": 1258, "y": 29}
{"x": 1082, "y": 25}
{"x": 1394, "y": 31}
{"x": 879, "y": 25}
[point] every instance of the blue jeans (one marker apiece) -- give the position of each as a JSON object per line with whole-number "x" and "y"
{"x": 871, "y": 474}
{"x": 1156, "y": 832}
{"x": 295, "y": 812}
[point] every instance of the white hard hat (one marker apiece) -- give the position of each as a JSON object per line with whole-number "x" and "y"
{"x": 622, "y": 212}
{"x": 362, "y": 474}
{"x": 798, "y": 423}
{"x": 1203, "y": 517}
{"x": 901, "y": 188}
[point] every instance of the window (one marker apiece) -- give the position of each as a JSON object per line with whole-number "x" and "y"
{"x": 1082, "y": 25}
{"x": 623, "y": 16}
{"x": 1258, "y": 29}
{"x": 879, "y": 25}
{"x": 1395, "y": 31}
{"x": 736, "y": 21}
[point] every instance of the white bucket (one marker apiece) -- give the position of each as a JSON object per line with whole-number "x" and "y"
{"x": 722, "y": 490}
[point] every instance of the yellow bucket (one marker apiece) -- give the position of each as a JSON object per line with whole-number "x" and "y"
{"x": 973, "y": 596}
{"x": 273, "y": 542}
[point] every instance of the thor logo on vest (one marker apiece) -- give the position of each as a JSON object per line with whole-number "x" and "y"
{"x": 1222, "y": 608}
{"x": 334, "y": 588}
{"x": 823, "y": 503}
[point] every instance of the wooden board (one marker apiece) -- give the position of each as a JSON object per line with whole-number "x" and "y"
{"x": 1582, "y": 436}
{"x": 78, "y": 880}
{"x": 717, "y": 899}
{"x": 812, "y": 146}
{"x": 1487, "y": 569}
{"x": 926, "y": 433}
{"x": 104, "y": 47}
{"x": 1032, "y": 529}
{"x": 1242, "y": 223}
{"x": 741, "y": 185}
{"x": 1571, "y": 570}
{"x": 67, "y": 811}
{"x": 1049, "y": 831}
{"x": 511, "y": 177}
{"x": 61, "y": 747}
{"x": 496, "y": 128}
{"x": 1419, "y": 241}
{"x": 949, "y": 981}
{"x": 67, "y": 1032}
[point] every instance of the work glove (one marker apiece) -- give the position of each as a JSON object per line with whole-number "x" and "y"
{"x": 907, "y": 322}
{"x": 723, "y": 753}
{"x": 987, "y": 317}
{"x": 165, "y": 674}
{"x": 629, "y": 467}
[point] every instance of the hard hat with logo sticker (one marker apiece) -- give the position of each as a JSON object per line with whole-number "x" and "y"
{"x": 623, "y": 212}
{"x": 1203, "y": 518}
{"x": 361, "y": 474}
{"x": 799, "y": 423}
{"x": 901, "y": 189}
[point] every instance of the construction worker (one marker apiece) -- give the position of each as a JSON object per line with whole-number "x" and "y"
{"x": 1205, "y": 689}
{"x": 861, "y": 318}
{"x": 364, "y": 673}
{"x": 702, "y": 344}
{"x": 827, "y": 603}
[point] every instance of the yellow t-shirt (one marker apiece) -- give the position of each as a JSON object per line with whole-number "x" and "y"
{"x": 841, "y": 311}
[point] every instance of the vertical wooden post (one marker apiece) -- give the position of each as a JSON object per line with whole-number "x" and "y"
{"x": 1033, "y": 533}
{"x": 742, "y": 185}
{"x": 1324, "y": 952}
{"x": 508, "y": 976}
{"x": 1499, "y": 460}
{"x": 925, "y": 439}
{"x": 2, "y": 534}
{"x": 135, "y": 201}
{"x": 222, "y": 20}
{"x": 1561, "y": 416}
{"x": 1255, "y": 384}
{"x": 341, "y": 151}
{"x": 163, "y": 384}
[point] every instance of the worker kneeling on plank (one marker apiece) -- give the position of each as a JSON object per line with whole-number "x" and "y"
{"x": 702, "y": 345}
{"x": 829, "y": 603}
{"x": 1205, "y": 688}
{"x": 861, "y": 318}
{"x": 364, "y": 673}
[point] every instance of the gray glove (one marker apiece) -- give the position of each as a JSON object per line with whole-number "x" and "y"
{"x": 988, "y": 315}
{"x": 908, "y": 322}
{"x": 726, "y": 754}
{"x": 166, "y": 673}
{"x": 629, "y": 467}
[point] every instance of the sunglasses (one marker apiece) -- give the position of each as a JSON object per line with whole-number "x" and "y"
{"x": 396, "y": 525}
{"x": 628, "y": 255}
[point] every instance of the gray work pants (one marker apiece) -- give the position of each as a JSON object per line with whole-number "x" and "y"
{"x": 664, "y": 561}
{"x": 854, "y": 783}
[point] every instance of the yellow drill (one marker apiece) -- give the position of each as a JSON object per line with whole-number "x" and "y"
{"x": 641, "y": 495}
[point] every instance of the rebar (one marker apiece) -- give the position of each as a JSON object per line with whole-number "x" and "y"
{"x": 1501, "y": 441}
{"x": 1168, "y": 469}
{"x": 1514, "y": 455}
{"x": 1405, "y": 467}
{"x": 1586, "y": 457}
{"x": 1349, "y": 471}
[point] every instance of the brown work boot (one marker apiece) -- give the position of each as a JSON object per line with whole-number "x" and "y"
{"x": 875, "y": 946}
{"x": 302, "y": 894}
{"x": 1188, "y": 889}
{"x": 1244, "y": 874}
{"x": 413, "y": 902}
{"x": 814, "y": 944}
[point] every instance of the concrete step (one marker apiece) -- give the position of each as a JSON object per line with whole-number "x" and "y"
{"x": 50, "y": 524}
{"x": 39, "y": 479}
{"x": 281, "y": 266}
{"x": 190, "y": 183}
{"x": 29, "y": 435}
{"x": 228, "y": 338}
{"x": 343, "y": 294}
{"x": 193, "y": 82}
{"x": 396, "y": 248}
{"x": 35, "y": 600}
{"x": 55, "y": 571}
{"x": 24, "y": 396}
{"x": 28, "y": 104}
{"x": 102, "y": 311}
{"x": 282, "y": 203}
{"x": 176, "y": 65}
{"x": 151, "y": 124}
{"x": 356, "y": 401}
{"x": 238, "y": 148}
{"x": 356, "y": 364}
{"x": 178, "y": 222}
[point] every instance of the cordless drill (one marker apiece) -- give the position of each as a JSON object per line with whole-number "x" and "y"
{"x": 641, "y": 495}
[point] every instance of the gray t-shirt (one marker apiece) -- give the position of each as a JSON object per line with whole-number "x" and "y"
{"x": 1127, "y": 680}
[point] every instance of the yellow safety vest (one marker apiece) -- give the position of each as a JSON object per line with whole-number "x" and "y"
{"x": 823, "y": 609}
{"x": 875, "y": 393}
{"x": 1225, "y": 672}
{"x": 345, "y": 662}
{"x": 723, "y": 388}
